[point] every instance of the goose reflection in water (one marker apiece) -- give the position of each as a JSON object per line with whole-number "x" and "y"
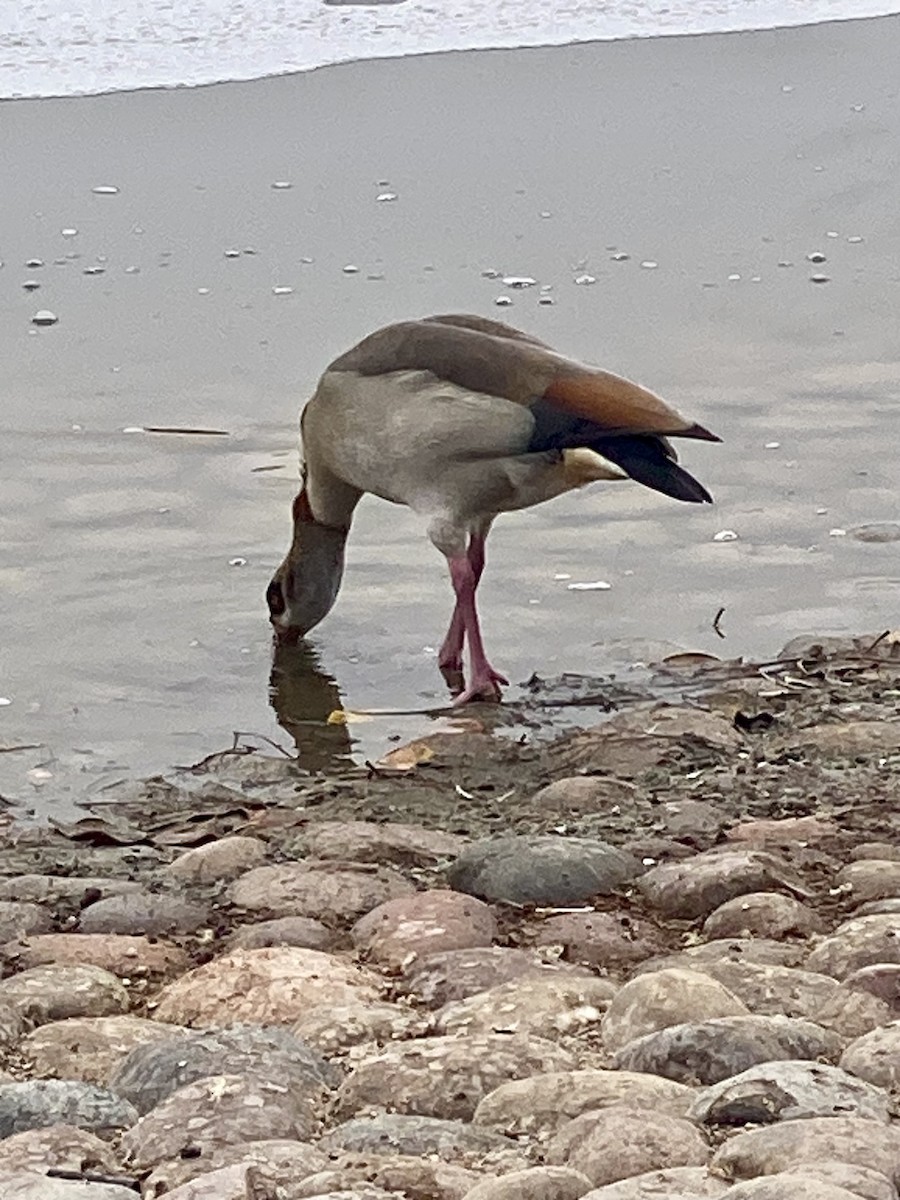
{"x": 303, "y": 696}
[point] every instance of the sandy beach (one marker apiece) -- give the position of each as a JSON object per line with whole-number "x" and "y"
{"x": 133, "y": 630}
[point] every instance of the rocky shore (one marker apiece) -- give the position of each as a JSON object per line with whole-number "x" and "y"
{"x": 657, "y": 957}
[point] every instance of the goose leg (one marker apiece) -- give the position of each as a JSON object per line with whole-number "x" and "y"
{"x": 450, "y": 655}
{"x": 483, "y": 680}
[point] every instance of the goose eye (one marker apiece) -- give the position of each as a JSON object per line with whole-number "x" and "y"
{"x": 275, "y": 599}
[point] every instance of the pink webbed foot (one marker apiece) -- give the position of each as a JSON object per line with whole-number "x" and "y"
{"x": 484, "y": 685}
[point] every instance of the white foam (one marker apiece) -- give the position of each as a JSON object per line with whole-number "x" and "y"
{"x": 58, "y": 47}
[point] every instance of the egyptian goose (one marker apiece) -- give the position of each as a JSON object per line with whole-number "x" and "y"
{"x": 460, "y": 418}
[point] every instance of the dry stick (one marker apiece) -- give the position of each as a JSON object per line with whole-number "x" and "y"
{"x": 716, "y": 619}
{"x": 126, "y": 1181}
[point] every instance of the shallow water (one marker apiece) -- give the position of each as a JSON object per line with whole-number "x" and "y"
{"x": 131, "y": 642}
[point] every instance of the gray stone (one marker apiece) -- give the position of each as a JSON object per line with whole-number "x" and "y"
{"x": 306, "y": 932}
{"x": 862, "y": 1181}
{"x": 444, "y": 1076}
{"x": 335, "y": 893}
{"x": 19, "y": 918}
{"x": 88, "y": 1048}
{"x": 662, "y": 999}
{"x": 223, "y": 1110}
{"x": 144, "y": 912}
{"x": 42, "y": 1102}
{"x": 290, "y": 1158}
{"x": 670, "y": 1183}
{"x": 787, "y": 1187}
{"x": 437, "y": 979}
{"x": 52, "y": 993}
{"x": 62, "y": 1147}
{"x": 859, "y": 942}
{"x": 773, "y": 1148}
{"x": 541, "y": 869}
{"x": 875, "y": 1057}
{"x": 771, "y": 990}
{"x": 391, "y": 842}
{"x": 223, "y": 859}
{"x": 536, "y": 1183}
{"x": 710, "y": 1051}
{"x": 152, "y": 1071}
{"x": 694, "y": 887}
{"x": 333, "y": 1030}
{"x": 762, "y": 914}
{"x": 25, "y": 1185}
{"x": 785, "y": 1091}
{"x": 54, "y": 889}
{"x": 549, "y": 1007}
{"x": 400, "y": 1133}
{"x": 619, "y": 1142}
{"x": 400, "y": 1174}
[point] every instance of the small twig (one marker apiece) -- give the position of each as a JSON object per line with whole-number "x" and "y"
{"x": 238, "y": 733}
{"x": 878, "y": 641}
{"x": 716, "y": 619}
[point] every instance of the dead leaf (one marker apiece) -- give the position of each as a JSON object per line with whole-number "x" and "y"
{"x": 406, "y": 758}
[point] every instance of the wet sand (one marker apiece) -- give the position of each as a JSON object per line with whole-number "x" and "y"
{"x": 130, "y": 642}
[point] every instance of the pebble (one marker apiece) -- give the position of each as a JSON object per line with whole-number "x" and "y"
{"x": 223, "y": 859}
{"x": 693, "y": 888}
{"x": 61, "y": 1146}
{"x": 710, "y": 1051}
{"x": 671, "y": 1183}
{"x": 367, "y": 841}
{"x": 536, "y": 1183}
{"x": 550, "y": 1007}
{"x": 540, "y": 1104}
{"x": 297, "y": 1159}
{"x": 870, "y": 879}
{"x": 400, "y": 1133}
{"x": 143, "y": 913}
{"x": 785, "y": 1091}
{"x": 57, "y": 889}
{"x": 122, "y": 954}
{"x": 423, "y": 923}
{"x": 541, "y": 869}
{"x": 326, "y": 891}
{"x": 617, "y": 1142}
{"x": 272, "y": 986}
{"x": 437, "y": 979}
{"x": 859, "y": 942}
{"x": 153, "y": 1070}
{"x": 19, "y": 918}
{"x": 42, "y": 1102}
{"x": 875, "y": 1057}
{"x": 88, "y": 1048}
{"x": 52, "y": 993}
{"x": 334, "y": 1029}
{"x": 664, "y": 998}
{"x": 762, "y": 914}
{"x": 212, "y": 1113}
{"x": 610, "y": 940}
{"x": 444, "y": 1077}
{"x": 582, "y": 794}
{"x": 305, "y": 932}
{"x": 773, "y": 1148}
{"x": 28, "y": 1186}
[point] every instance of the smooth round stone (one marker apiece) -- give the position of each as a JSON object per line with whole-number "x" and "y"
{"x": 770, "y": 1149}
{"x": 423, "y": 923}
{"x": 290, "y": 1158}
{"x": 615, "y": 1143}
{"x": 694, "y": 887}
{"x": 391, "y": 842}
{"x": 124, "y": 955}
{"x": 445, "y": 1077}
{"x": 144, "y": 913}
{"x": 875, "y": 1057}
{"x": 762, "y": 914}
{"x": 223, "y": 859}
{"x": 437, "y": 979}
{"x": 209, "y": 1114}
{"x": 772, "y": 990}
{"x": 545, "y": 1007}
{"x": 599, "y": 939}
{"x": 881, "y": 980}
{"x": 42, "y": 1102}
{"x": 665, "y": 998}
{"x": 305, "y": 932}
{"x": 20, "y": 918}
{"x": 334, "y": 1029}
{"x": 28, "y": 1186}
{"x": 330, "y": 892}
{"x": 88, "y": 1048}
{"x": 152, "y": 1071}
{"x": 859, "y": 942}
{"x": 56, "y": 889}
{"x": 541, "y": 869}
{"x": 401, "y": 1133}
{"x": 870, "y": 879}
{"x": 399, "y": 1175}
{"x": 788, "y": 1187}
{"x": 861, "y": 1181}
{"x": 52, "y": 993}
{"x": 62, "y": 1146}
{"x": 272, "y": 986}
{"x": 710, "y": 1051}
{"x": 536, "y": 1183}
{"x": 784, "y": 1091}
{"x": 582, "y": 793}
{"x": 541, "y": 1103}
